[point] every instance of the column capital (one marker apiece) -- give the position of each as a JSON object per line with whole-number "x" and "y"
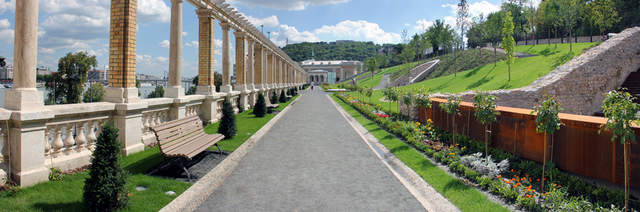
{"x": 240, "y": 34}
{"x": 225, "y": 25}
{"x": 205, "y": 13}
{"x": 176, "y": 1}
{"x": 258, "y": 46}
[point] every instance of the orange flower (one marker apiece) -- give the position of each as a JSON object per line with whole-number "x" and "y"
{"x": 538, "y": 180}
{"x": 499, "y": 176}
{"x": 511, "y": 170}
{"x": 559, "y": 186}
{"x": 514, "y": 186}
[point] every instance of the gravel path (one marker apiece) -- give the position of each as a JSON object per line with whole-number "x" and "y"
{"x": 383, "y": 82}
{"x": 311, "y": 160}
{"x": 518, "y": 54}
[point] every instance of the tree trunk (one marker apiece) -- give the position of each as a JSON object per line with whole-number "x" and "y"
{"x": 509, "y": 72}
{"x": 454, "y": 129}
{"x": 549, "y": 38}
{"x": 544, "y": 161}
{"x": 486, "y": 141}
{"x": 570, "y": 44}
{"x": 495, "y": 56}
{"x": 626, "y": 176}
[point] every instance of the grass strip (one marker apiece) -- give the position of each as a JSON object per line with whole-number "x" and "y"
{"x": 464, "y": 196}
{"x": 247, "y": 124}
{"x": 66, "y": 194}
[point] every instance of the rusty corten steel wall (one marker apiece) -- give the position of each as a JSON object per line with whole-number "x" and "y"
{"x": 577, "y": 146}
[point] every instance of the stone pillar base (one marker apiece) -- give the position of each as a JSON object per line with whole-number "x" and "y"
{"x": 206, "y": 90}
{"x": 121, "y": 95}
{"x": 210, "y": 108}
{"x": 127, "y": 119}
{"x": 23, "y": 99}
{"x": 174, "y": 92}
{"x": 226, "y": 88}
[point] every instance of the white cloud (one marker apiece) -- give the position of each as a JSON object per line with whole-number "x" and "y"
{"x": 7, "y": 35}
{"x": 483, "y": 7}
{"x": 217, "y": 47}
{"x": 288, "y": 32}
{"x": 165, "y": 44}
{"x": 192, "y": 44}
{"x": 270, "y": 21}
{"x": 407, "y": 24}
{"x": 150, "y": 11}
{"x": 423, "y": 24}
{"x": 286, "y": 4}
{"x": 184, "y": 33}
{"x": 360, "y": 30}
{"x": 147, "y": 62}
{"x": 46, "y": 51}
{"x": 7, "y": 5}
{"x": 4, "y": 23}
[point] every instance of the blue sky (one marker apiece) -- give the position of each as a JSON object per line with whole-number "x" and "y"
{"x": 83, "y": 25}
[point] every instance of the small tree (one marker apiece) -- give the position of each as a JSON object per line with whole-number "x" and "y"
{"x": 158, "y": 93}
{"x": 105, "y": 189}
{"x": 486, "y": 113}
{"x": 368, "y": 91}
{"x": 95, "y": 93}
{"x": 451, "y": 107}
{"x": 274, "y": 98}
{"x": 283, "y": 97}
{"x": 392, "y": 96}
{"x": 193, "y": 89}
{"x": 547, "y": 122}
{"x": 621, "y": 112}
{"x": 228, "y": 121}
{"x": 260, "y": 109}
{"x": 508, "y": 43}
{"x": 66, "y": 84}
{"x": 407, "y": 99}
{"x": 423, "y": 99}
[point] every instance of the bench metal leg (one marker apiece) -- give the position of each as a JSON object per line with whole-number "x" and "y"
{"x": 174, "y": 163}
{"x": 220, "y": 150}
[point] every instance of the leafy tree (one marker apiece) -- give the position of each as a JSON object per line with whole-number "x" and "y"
{"x": 39, "y": 78}
{"x": 158, "y": 93}
{"x": 461, "y": 22}
{"x": 227, "y": 125}
{"x": 382, "y": 60}
{"x": 192, "y": 90}
{"x": 105, "y": 189}
{"x": 434, "y": 34}
{"x": 530, "y": 16}
{"x": 283, "y": 97}
{"x": 547, "y": 122}
{"x": 508, "y": 44}
{"x": 260, "y": 109}
{"x": 66, "y": 86}
{"x": 423, "y": 99}
{"x": 493, "y": 29}
{"x": 372, "y": 65}
{"x": 217, "y": 80}
{"x": 485, "y": 113}
{"x": 407, "y": 98}
{"x": 570, "y": 16}
{"x": 452, "y": 107}
{"x": 475, "y": 34}
{"x": 95, "y": 93}
{"x": 391, "y": 94}
{"x": 604, "y": 14}
{"x": 368, "y": 91}
{"x": 138, "y": 87}
{"x": 621, "y": 113}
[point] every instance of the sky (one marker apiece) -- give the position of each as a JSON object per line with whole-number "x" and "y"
{"x": 66, "y": 26}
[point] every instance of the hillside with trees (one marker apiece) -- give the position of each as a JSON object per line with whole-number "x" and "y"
{"x": 360, "y": 51}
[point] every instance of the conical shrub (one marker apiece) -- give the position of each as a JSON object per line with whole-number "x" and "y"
{"x": 228, "y": 122}
{"x": 274, "y": 98}
{"x": 260, "y": 109}
{"x": 105, "y": 189}
{"x": 283, "y": 98}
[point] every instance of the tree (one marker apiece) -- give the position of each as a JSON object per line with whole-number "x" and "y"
{"x": 260, "y": 109}
{"x": 461, "y": 21}
{"x": 547, "y": 122}
{"x": 493, "y": 29}
{"x": 66, "y": 86}
{"x": 138, "y": 87}
{"x": 283, "y": 97}
{"x": 105, "y": 189}
{"x": 423, "y": 99}
{"x": 485, "y": 113}
{"x": 95, "y": 93}
{"x": 391, "y": 94}
{"x": 407, "y": 99}
{"x": 508, "y": 44}
{"x": 227, "y": 125}
{"x": 372, "y": 65}
{"x": 433, "y": 34}
{"x": 452, "y": 107}
{"x": 192, "y": 90}
{"x": 274, "y": 98}
{"x": 570, "y": 16}
{"x": 476, "y": 33}
{"x": 158, "y": 93}
{"x": 530, "y": 16}
{"x": 604, "y": 14}
{"x": 621, "y": 113}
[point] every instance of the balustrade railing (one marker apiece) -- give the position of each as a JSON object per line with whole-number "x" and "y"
{"x": 152, "y": 118}
{"x": 4, "y": 150}
{"x": 193, "y": 110}
{"x": 68, "y": 136}
{"x": 220, "y": 103}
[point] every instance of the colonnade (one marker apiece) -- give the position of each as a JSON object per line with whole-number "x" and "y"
{"x": 261, "y": 67}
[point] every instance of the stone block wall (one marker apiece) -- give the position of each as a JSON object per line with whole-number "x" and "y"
{"x": 579, "y": 84}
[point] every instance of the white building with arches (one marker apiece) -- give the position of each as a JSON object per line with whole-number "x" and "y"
{"x": 330, "y": 71}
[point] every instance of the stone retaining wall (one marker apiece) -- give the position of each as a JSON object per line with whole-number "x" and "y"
{"x": 580, "y": 83}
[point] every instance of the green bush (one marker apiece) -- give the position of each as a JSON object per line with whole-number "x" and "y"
{"x": 485, "y": 182}
{"x": 470, "y": 174}
{"x": 227, "y": 125}
{"x": 240, "y": 107}
{"x": 260, "y": 109}
{"x": 274, "y": 98}
{"x": 283, "y": 98}
{"x": 105, "y": 189}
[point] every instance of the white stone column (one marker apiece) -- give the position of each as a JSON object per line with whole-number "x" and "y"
{"x": 175, "y": 89}
{"x": 226, "y": 61}
{"x": 250, "y": 64}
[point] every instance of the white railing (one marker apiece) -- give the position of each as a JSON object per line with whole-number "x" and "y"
{"x": 152, "y": 118}
{"x": 220, "y": 103}
{"x": 193, "y": 110}
{"x": 4, "y": 150}
{"x": 69, "y": 136}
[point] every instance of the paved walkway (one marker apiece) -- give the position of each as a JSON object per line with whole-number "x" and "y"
{"x": 518, "y": 54}
{"x": 383, "y": 82}
{"x": 311, "y": 160}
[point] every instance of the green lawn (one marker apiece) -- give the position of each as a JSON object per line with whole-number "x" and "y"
{"x": 465, "y": 197}
{"x": 247, "y": 125}
{"x": 377, "y": 77}
{"x": 66, "y": 194}
{"x": 490, "y": 77}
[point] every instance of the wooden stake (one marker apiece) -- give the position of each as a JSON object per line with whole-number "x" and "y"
{"x": 544, "y": 160}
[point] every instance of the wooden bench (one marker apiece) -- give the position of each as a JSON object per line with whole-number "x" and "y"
{"x": 269, "y": 105}
{"x": 183, "y": 139}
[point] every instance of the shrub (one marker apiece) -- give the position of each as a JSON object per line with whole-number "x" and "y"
{"x": 484, "y": 181}
{"x": 240, "y": 107}
{"x": 105, "y": 190}
{"x": 274, "y": 98}
{"x": 470, "y": 174}
{"x": 485, "y": 166}
{"x": 228, "y": 121}
{"x": 260, "y": 109}
{"x": 283, "y": 98}
{"x": 55, "y": 174}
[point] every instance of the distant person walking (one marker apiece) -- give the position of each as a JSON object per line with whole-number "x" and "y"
{"x": 311, "y": 85}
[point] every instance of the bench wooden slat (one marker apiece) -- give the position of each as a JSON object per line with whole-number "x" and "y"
{"x": 174, "y": 123}
{"x": 194, "y": 147}
{"x": 269, "y": 105}
{"x": 182, "y": 141}
{"x": 178, "y": 132}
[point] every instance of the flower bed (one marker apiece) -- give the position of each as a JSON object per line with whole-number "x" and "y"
{"x": 517, "y": 183}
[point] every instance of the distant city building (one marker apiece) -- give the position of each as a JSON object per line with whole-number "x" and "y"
{"x": 330, "y": 71}
{"x": 6, "y": 72}
{"x": 387, "y": 49}
{"x": 43, "y": 71}
{"x": 95, "y": 75}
